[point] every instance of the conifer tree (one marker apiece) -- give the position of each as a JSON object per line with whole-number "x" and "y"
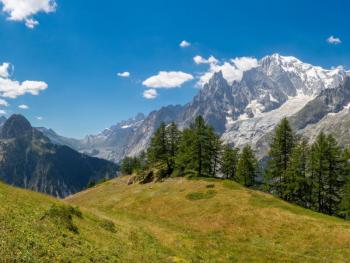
{"x": 247, "y": 167}
{"x": 280, "y": 151}
{"x": 335, "y": 175}
{"x": 299, "y": 188}
{"x": 229, "y": 162}
{"x": 158, "y": 149}
{"x": 173, "y": 139}
{"x": 214, "y": 151}
{"x": 199, "y": 149}
{"x": 344, "y": 207}
{"x": 319, "y": 170}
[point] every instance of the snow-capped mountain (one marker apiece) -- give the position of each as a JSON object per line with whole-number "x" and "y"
{"x": 242, "y": 112}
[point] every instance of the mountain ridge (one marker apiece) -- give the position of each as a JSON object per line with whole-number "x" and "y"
{"x": 241, "y": 112}
{"x": 28, "y": 159}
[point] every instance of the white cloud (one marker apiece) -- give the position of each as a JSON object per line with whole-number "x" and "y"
{"x": 167, "y": 79}
{"x": 3, "y": 112}
{"x": 245, "y": 63}
{"x": 39, "y": 118}
{"x": 5, "y": 70}
{"x": 3, "y": 103}
{"x": 24, "y": 10}
{"x": 23, "y": 107}
{"x": 184, "y": 44}
{"x": 334, "y": 40}
{"x": 200, "y": 60}
{"x": 125, "y": 74}
{"x": 150, "y": 94}
{"x": 10, "y": 88}
{"x": 232, "y": 70}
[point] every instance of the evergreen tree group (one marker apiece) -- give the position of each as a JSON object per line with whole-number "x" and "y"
{"x": 313, "y": 176}
{"x": 310, "y": 175}
{"x": 196, "y": 151}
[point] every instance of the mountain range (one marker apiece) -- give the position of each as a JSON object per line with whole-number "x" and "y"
{"x": 242, "y": 112}
{"x": 28, "y": 159}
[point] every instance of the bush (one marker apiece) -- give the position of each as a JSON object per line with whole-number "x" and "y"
{"x": 201, "y": 195}
{"x": 108, "y": 225}
{"x": 63, "y": 215}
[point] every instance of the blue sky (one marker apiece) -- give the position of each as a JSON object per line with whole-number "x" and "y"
{"x": 78, "y": 47}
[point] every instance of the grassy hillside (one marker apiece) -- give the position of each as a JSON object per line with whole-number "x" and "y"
{"x": 178, "y": 220}
{"x": 38, "y": 228}
{"x": 215, "y": 221}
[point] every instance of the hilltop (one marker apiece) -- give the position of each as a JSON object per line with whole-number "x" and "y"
{"x": 213, "y": 220}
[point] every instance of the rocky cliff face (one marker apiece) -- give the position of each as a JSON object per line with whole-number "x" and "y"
{"x": 242, "y": 112}
{"x": 29, "y": 160}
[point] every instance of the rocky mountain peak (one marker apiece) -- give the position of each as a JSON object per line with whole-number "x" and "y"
{"x": 16, "y": 125}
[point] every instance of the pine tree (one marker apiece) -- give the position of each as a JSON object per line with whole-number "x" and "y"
{"x": 127, "y": 165}
{"x": 344, "y": 207}
{"x": 173, "y": 139}
{"x": 319, "y": 170}
{"x": 247, "y": 167}
{"x": 280, "y": 151}
{"x": 158, "y": 149}
{"x": 335, "y": 175}
{"x": 299, "y": 188}
{"x": 215, "y": 150}
{"x": 199, "y": 149}
{"x": 185, "y": 157}
{"x": 229, "y": 162}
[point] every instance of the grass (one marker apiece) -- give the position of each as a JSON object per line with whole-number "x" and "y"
{"x": 38, "y": 228}
{"x": 211, "y": 220}
{"x": 178, "y": 220}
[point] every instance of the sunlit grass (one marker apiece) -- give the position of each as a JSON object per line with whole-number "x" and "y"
{"x": 220, "y": 223}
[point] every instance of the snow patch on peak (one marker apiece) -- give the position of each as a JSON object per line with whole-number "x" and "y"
{"x": 249, "y": 130}
{"x": 313, "y": 78}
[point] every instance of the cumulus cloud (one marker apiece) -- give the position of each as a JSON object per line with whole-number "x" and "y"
{"x": 334, "y": 40}
{"x": 39, "y": 118}
{"x": 232, "y": 70}
{"x": 150, "y": 94}
{"x": 5, "y": 70}
{"x": 10, "y": 88}
{"x": 3, "y": 103}
{"x": 124, "y": 74}
{"x": 23, "y": 107}
{"x": 3, "y": 112}
{"x": 184, "y": 44}
{"x": 200, "y": 60}
{"x": 25, "y": 10}
{"x": 167, "y": 79}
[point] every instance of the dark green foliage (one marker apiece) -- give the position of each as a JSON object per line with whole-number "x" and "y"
{"x": 327, "y": 170}
{"x": 164, "y": 147}
{"x": 63, "y": 215}
{"x": 199, "y": 149}
{"x": 129, "y": 165}
{"x": 298, "y": 189}
{"x": 229, "y": 162}
{"x": 158, "y": 149}
{"x": 201, "y": 195}
{"x": 173, "y": 140}
{"x": 247, "y": 167}
{"x": 313, "y": 176}
{"x": 108, "y": 225}
{"x": 280, "y": 150}
{"x": 91, "y": 183}
{"x": 344, "y": 207}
